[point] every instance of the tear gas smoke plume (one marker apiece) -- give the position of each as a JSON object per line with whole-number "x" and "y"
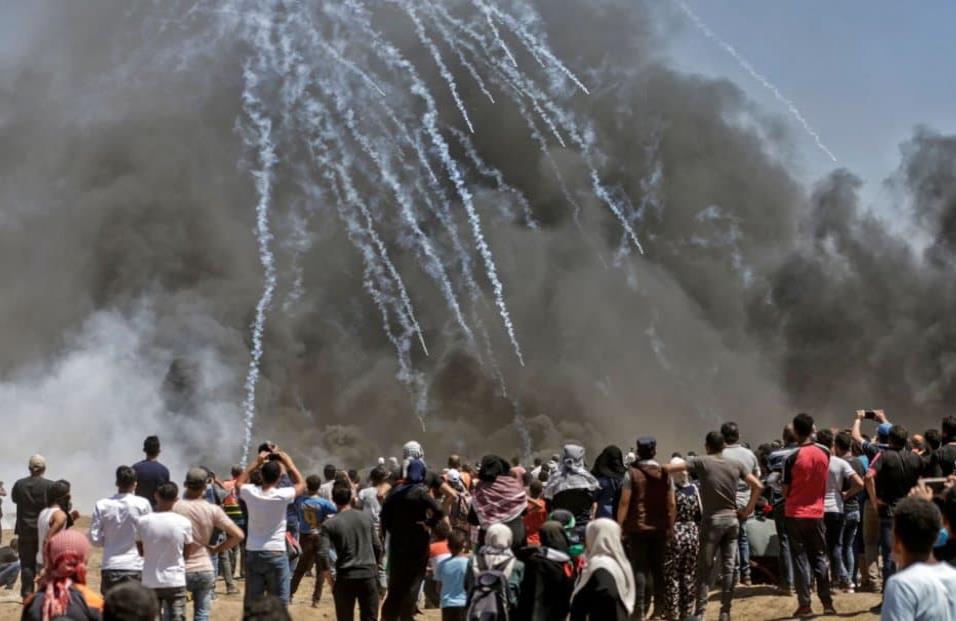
{"x": 344, "y": 225}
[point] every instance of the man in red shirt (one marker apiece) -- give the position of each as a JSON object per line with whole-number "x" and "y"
{"x": 804, "y": 487}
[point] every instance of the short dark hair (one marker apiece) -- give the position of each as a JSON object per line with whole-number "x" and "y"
{"x": 329, "y": 472}
{"x": 125, "y": 477}
{"x": 313, "y": 482}
{"x": 647, "y": 451}
{"x": 536, "y": 488}
{"x": 130, "y": 601}
{"x": 949, "y": 508}
{"x": 441, "y": 531}
{"x": 843, "y": 441}
{"x": 898, "y": 436}
{"x": 949, "y": 428}
{"x": 454, "y": 461}
{"x": 788, "y": 436}
{"x": 341, "y": 494}
{"x": 59, "y": 490}
{"x": 916, "y": 523}
{"x": 802, "y": 425}
{"x": 537, "y": 462}
{"x": 731, "y": 432}
{"x": 457, "y": 540}
{"x": 151, "y": 446}
{"x": 266, "y": 608}
{"x": 236, "y": 471}
{"x": 516, "y": 461}
{"x": 354, "y": 475}
{"x": 271, "y": 471}
{"x": 167, "y": 492}
{"x": 378, "y": 475}
{"x": 714, "y": 442}
{"x": 825, "y": 438}
{"x": 933, "y": 438}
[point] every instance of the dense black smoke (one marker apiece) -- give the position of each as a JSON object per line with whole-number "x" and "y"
{"x": 131, "y": 274}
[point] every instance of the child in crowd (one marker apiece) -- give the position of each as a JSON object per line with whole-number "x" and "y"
{"x": 451, "y": 575}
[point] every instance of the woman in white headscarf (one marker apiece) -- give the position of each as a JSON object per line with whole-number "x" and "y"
{"x": 496, "y": 554}
{"x": 605, "y": 589}
{"x": 573, "y": 488}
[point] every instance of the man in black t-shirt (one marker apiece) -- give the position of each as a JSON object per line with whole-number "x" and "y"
{"x": 891, "y": 476}
{"x": 150, "y": 474}
{"x": 30, "y": 496}
{"x": 942, "y": 461}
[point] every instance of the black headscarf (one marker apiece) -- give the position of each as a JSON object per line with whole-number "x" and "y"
{"x": 553, "y": 536}
{"x": 492, "y": 467}
{"x": 610, "y": 463}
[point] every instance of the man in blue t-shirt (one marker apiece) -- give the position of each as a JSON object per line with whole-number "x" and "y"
{"x": 311, "y": 511}
{"x": 150, "y": 474}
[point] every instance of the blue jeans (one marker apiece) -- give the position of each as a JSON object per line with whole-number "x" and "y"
{"x": 202, "y": 585}
{"x": 9, "y": 573}
{"x": 743, "y": 552}
{"x": 784, "y": 558}
{"x": 834, "y": 523}
{"x": 886, "y": 545}
{"x": 851, "y": 525}
{"x": 718, "y": 546}
{"x": 267, "y": 572}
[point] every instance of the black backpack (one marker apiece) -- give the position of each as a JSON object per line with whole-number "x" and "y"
{"x": 489, "y": 597}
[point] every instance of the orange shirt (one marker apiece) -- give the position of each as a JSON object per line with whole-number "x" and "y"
{"x": 536, "y": 515}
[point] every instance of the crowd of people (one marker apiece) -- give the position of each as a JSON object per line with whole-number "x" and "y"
{"x": 631, "y": 537}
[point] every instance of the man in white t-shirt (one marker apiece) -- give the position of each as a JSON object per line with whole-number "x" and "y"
{"x": 842, "y": 483}
{"x": 921, "y": 589}
{"x": 267, "y": 564}
{"x": 164, "y": 539}
{"x": 206, "y": 518}
{"x": 113, "y": 527}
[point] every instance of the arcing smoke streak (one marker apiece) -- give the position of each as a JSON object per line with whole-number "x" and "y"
{"x": 745, "y": 64}
{"x": 261, "y": 140}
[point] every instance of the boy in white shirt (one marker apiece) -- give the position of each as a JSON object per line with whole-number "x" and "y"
{"x": 163, "y": 539}
{"x": 923, "y": 590}
{"x": 267, "y": 564}
{"x": 113, "y": 527}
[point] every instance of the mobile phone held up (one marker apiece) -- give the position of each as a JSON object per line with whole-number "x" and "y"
{"x": 869, "y": 415}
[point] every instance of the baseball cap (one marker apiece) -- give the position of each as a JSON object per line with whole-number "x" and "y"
{"x": 37, "y": 462}
{"x": 883, "y": 430}
{"x": 196, "y": 478}
{"x": 646, "y": 443}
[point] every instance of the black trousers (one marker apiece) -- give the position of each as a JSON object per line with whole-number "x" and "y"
{"x": 348, "y": 591}
{"x": 646, "y": 553}
{"x": 310, "y": 556}
{"x": 27, "y": 547}
{"x": 808, "y": 545}
{"x": 405, "y": 576}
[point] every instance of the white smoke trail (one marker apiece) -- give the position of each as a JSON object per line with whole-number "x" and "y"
{"x": 745, "y": 64}
{"x": 436, "y": 56}
{"x": 393, "y": 58}
{"x": 494, "y": 30}
{"x": 261, "y": 141}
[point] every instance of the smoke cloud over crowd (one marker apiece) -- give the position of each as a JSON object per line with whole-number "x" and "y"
{"x": 131, "y": 269}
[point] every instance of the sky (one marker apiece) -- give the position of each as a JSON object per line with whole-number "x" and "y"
{"x": 863, "y": 73}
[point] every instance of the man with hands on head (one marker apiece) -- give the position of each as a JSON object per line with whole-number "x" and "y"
{"x": 267, "y": 564}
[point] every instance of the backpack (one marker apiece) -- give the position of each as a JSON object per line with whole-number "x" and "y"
{"x": 458, "y": 512}
{"x": 488, "y": 597}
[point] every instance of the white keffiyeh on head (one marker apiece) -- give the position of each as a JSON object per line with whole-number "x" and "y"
{"x": 571, "y": 474}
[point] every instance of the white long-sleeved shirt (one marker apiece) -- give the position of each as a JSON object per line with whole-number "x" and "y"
{"x": 114, "y": 528}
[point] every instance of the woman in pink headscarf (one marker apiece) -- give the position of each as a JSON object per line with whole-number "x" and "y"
{"x": 63, "y": 593}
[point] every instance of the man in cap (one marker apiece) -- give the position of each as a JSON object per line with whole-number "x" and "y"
{"x": 206, "y": 518}
{"x": 30, "y": 496}
{"x": 646, "y": 513}
{"x": 870, "y": 571}
{"x": 113, "y": 527}
{"x": 150, "y": 474}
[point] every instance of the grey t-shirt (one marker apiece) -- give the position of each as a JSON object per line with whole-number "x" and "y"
{"x": 718, "y": 483}
{"x": 745, "y": 456}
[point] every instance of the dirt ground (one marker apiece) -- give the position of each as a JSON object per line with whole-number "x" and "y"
{"x": 750, "y": 603}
